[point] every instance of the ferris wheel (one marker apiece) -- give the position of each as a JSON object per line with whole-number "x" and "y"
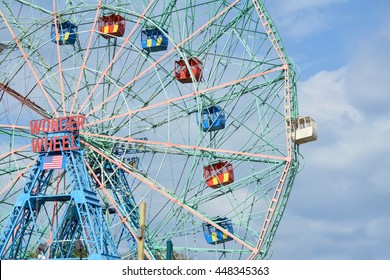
{"x": 188, "y": 106}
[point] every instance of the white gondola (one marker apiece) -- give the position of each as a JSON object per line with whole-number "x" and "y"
{"x": 304, "y": 130}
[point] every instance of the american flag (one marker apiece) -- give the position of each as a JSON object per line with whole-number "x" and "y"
{"x": 53, "y": 162}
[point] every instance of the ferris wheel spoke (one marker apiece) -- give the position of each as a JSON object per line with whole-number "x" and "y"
{"x": 25, "y": 57}
{"x": 205, "y": 47}
{"x": 24, "y": 100}
{"x": 14, "y": 161}
{"x": 161, "y": 190}
{"x": 14, "y": 74}
{"x": 124, "y": 219}
{"x": 129, "y": 96}
{"x": 177, "y": 46}
{"x": 35, "y": 7}
{"x": 60, "y": 70}
{"x": 13, "y": 151}
{"x": 264, "y": 143}
{"x": 183, "y": 149}
{"x": 9, "y": 128}
{"x": 241, "y": 185}
{"x": 17, "y": 177}
{"x": 115, "y": 58}
{"x": 167, "y": 13}
{"x": 86, "y": 55}
{"x": 184, "y": 97}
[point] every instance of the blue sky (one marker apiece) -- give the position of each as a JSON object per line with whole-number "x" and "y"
{"x": 339, "y": 207}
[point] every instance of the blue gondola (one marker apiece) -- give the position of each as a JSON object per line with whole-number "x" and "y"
{"x": 213, "y": 118}
{"x": 154, "y": 40}
{"x": 215, "y": 236}
{"x": 67, "y": 33}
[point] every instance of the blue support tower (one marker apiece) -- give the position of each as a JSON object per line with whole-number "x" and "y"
{"x": 72, "y": 213}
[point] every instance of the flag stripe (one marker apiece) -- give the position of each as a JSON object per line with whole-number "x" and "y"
{"x": 53, "y": 162}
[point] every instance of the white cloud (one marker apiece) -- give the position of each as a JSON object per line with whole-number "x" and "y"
{"x": 325, "y": 96}
{"x": 339, "y": 209}
{"x": 350, "y": 107}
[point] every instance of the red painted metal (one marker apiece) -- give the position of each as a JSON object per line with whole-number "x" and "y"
{"x": 182, "y": 73}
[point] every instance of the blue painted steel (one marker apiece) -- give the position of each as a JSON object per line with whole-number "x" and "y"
{"x": 214, "y": 235}
{"x": 154, "y": 40}
{"x": 213, "y": 118}
{"x": 13, "y": 232}
{"x": 67, "y": 33}
{"x": 81, "y": 216}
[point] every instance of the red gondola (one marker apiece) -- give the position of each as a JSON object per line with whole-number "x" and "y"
{"x": 217, "y": 174}
{"x": 112, "y": 26}
{"x": 182, "y": 74}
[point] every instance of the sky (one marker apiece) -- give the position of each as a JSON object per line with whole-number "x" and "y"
{"x": 339, "y": 206}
